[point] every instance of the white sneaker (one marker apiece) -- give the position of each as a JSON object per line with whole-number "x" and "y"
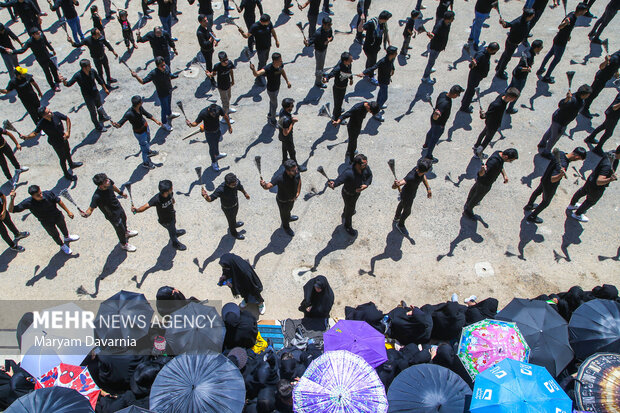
{"x": 174, "y": 115}
{"x": 470, "y": 298}
{"x": 454, "y": 298}
{"x": 261, "y": 308}
{"x": 23, "y": 169}
{"x": 243, "y": 304}
{"x": 72, "y": 238}
{"x": 229, "y": 119}
{"x": 572, "y": 207}
{"x": 65, "y": 248}
{"x": 215, "y": 166}
{"x": 232, "y": 110}
{"x": 131, "y": 233}
{"x": 128, "y": 247}
{"x": 221, "y": 155}
{"x": 581, "y": 218}
{"x": 167, "y": 127}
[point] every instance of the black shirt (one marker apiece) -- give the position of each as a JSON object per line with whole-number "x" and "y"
{"x": 98, "y": 24}
{"x": 357, "y": 113}
{"x": 223, "y": 74}
{"x": 248, "y": 7}
{"x": 494, "y": 165}
{"x": 351, "y": 180}
{"x": 205, "y": 38}
{"x": 495, "y": 112}
{"x": 285, "y": 121}
{"x": 204, "y": 7}
{"x": 385, "y": 68}
{"x": 443, "y": 105}
{"x": 610, "y": 112}
{"x": 287, "y": 186}
{"x": 567, "y": 111}
{"x": 160, "y": 45}
{"x": 53, "y": 128}
{"x": 136, "y": 119}
{"x": 95, "y": 46}
{"x": 211, "y": 123}
{"x": 161, "y": 80}
{"x": 374, "y": 34}
{"x": 341, "y": 74}
{"x": 39, "y": 48}
{"x": 2, "y": 140}
{"x": 563, "y": 35}
{"x": 164, "y": 207}
{"x": 27, "y": 10}
{"x": 321, "y": 38}
{"x": 68, "y": 8}
{"x": 227, "y": 195}
{"x": 608, "y": 71}
{"x": 45, "y": 210}
{"x": 484, "y": 6}
{"x": 165, "y": 8}
{"x": 443, "y": 7}
{"x": 24, "y": 89}
{"x": 602, "y": 168}
{"x": 107, "y": 202}
{"x": 262, "y": 35}
{"x": 409, "y": 27}
{"x": 519, "y": 29}
{"x": 441, "y": 31}
{"x": 526, "y": 60}
{"x": 554, "y": 169}
{"x": 274, "y": 75}
{"x": 412, "y": 182}
{"x": 483, "y": 62}
{"x": 88, "y": 82}
{"x": 5, "y": 38}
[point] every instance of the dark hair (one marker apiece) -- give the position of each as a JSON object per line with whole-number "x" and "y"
{"x": 41, "y": 111}
{"x": 424, "y": 165}
{"x": 265, "y": 17}
{"x": 581, "y": 152}
{"x": 289, "y": 164}
{"x": 212, "y": 107}
{"x": 493, "y": 46}
{"x": 222, "y": 55}
{"x": 201, "y": 18}
{"x": 33, "y": 30}
{"x": 285, "y": 389}
{"x": 513, "y": 92}
{"x": 84, "y": 63}
{"x": 385, "y": 15}
{"x": 374, "y": 107}
{"x": 33, "y": 189}
{"x": 165, "y": 185}
{"x": 511, "y": 153}
{"x": 392, "y": 50}
{"x": 136, "y": 100}
{"x": 528, "y": 12}
{"x": 93, "y": 9}
{"x": 359, "y": 159}
{"x": 584, "y": 90}
{"x": 345, "y": 56}
{"x": 581, "y": 6}
{"x": 230, "y": 178}
{"x": 276, "y": 56}
{"x": 449, "y": 15}
{"x": 159, "y": 60}
{"x": 537, "y": 44}
{"x": 415, "y": 13}
{"x": 456, "y": 90}
{"x": 99, "y": 179}
{"x": 327, "y": 20}
{"x": 287, "y": 103}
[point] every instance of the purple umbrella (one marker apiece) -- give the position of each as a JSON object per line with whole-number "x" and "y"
{"x": 359, "y": 338}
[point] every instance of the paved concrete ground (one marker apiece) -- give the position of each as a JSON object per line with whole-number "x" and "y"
{"x": 499, "y": 255}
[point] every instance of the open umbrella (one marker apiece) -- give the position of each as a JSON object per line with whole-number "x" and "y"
{"x": 597, "y": 388}
{"x": 515, "y": 387}
{"x": 125, "y": 314}
{"x": 339, "y": 381}
{"x": 488, "y": 342}
{"x": 428, "y": 388}
{"x": 201, "y": 330}
{"x": 39, "y": 343}
{"x": 545, "y": 331}
{"x": 205, "y": 383}
{"x": 134, "y": 409}
{"x": 359, "y": 338}
{"x": 52, "y": 399}
{"x": 595, "y": 328}
{"x": 73, "y": 377}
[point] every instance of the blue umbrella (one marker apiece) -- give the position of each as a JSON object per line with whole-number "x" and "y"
{"x": 516, "y": 387}
{"x": 595, "y": 328}
{"x": 428, "y": 388}
{"x": 51, "y": 399}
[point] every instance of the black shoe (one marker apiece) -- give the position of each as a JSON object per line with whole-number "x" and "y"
{"x": 467, "y": 110}
{"x": 153, "y": 153}
{"x": 174, "y": 76}
{"x": 239, "y": 236}
{"x": 71, "y": 177}
{"x": 148, "y": 165}
{"x": 546, "y": 155}
{"x": 402, "y": 230}
{"x": 433, "y": 159}
{"x": 512, "y": 111}
{"x": 112, "y": 80}
{"x": 180, "y": 247}
{"x": 596, "y": 40}
{"x": 287, "y": 11}
{"x": 598, "y": 150}
{"x": 289, "y": 231}
{"x": 239, "y": 224}
{"x": 180, "y": 232}
{"x": 548, "y": 79}
{"x": 534, "y": 219}
{"x": 530, "y": 207}
{"x": 302, "y": 168}
{"x": 350, "y": 231}
{"x": 321, "y": 86}
{"x": 502, "y": 75}
{"x": 589, "y": 15}
{"x": 76, "y": 165}
{"x": 22, "y": 235}
{"x": 469, "y": 214}
{"x": 18, "y": 248}
{"x": 396, "y": 218}
{"x": 293, "y": 218}
{"x": 586, "y": 113}
{"x": 540, "y": 71}
{"x": 593, "y": 141}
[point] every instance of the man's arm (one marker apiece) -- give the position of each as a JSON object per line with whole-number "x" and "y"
{"x": 11, "y": 206}
{"x": 109, "y": 47}
{"x": 436, "y": 114}
{"x": 68, "y": 132}
{"x": 140, "y": 209}
{"x": 99, "y": 80}
{"x": 602, "y": 180}
{"x": 232, "y": 76}
{"x": 298, "y": 189}
{"x": 36, "y": 86}
{"x": 429, "y": 194}
{"x": 227, "y": 119}
{"x": 288, "y": 84}
{"x": 87, "y": 213}
{"x": 556, "y": 178}
{"x": 171, "y": 44}
{"x": 138, "y": 78}
{"x": 64, "y": 207}
{"x": 505, "y": 176}
{"x": 10, "y": 135}
{"x": 118, "y": 191}
{"x": 151, "y": 117}
{"x": 13, "y": 36}
{"x": 275, "y": 37}
{"x": 255, "y": 72}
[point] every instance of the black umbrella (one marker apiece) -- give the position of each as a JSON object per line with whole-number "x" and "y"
{"x": 195, "y": 328}
{"x": 595, "y": 328}
{"x": 205, "y": 383}
{"x": 13, "y": 386}
{"x": 51, "y": 399}
{"x": 426, "y": 388}
{"x": 134, "y": 409}
{"x": 123, "y": 315}
{"x": 545, "y": 331}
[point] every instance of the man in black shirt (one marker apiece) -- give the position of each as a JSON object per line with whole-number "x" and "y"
{"x": 493, "y": 119}
{"x": 519, "y": 30}
{"x": 39, "y": 45}
{"x": 43, "y": 205}
{"x": 7, "y": 152}
{"x": 612, "y": 114}
{"x": 28, "y": 12}
{"x": 409, "y": 31}
{"x": 160, "y": 42}
{"x": 354, "y": 180}
{"x": 273, "y": 71}
{"x": 51, "y": 124}
{"x": 210, "y": 118}
{"x": 227, "y": 192}
{"x": 607, "y": 69}
{"x": 567, "y": 111}
{"x": 439, "y": 40}
{"x": 225, "y": 80}
{"x": 25, "y": 85}
{"x": 105, "y": 199}
{"x": 321, "y": 40}
{"x": 560, "y": 41}
{"x": 342, "y": 74}
{"x": 482, "y": 11}
{"x": 165, "y": 9}
{"x": 207, "y": 42}
{"x": 550, "y": 181}
{"x": 385, "y": 71}
{"x": 440, "y": 116}
{"x": 7, "y": 223}
{"x": 285, "y": 131}
{"x": 597, "y": 182}
{"x": 96, "y": 43}
{"x": 479, "y": 69}
{"x": 87, "y": 78}
{"x": 162, "y": 79}
{"x": 523, "y": 69}
{"x": 166, "y": 216}
{"x": 288, "y": 182}
{"x": 135, "y": 115}
{"x": 409, "y": 185}
{"x": 603, "y": 21}
{"x": 313, "y": 16}
{"x": 71, "y": 16}
{"x": 205, "y": 8}
{"x": 262, "y": 31}
{"x": 249, "y": 16}
{"x": 10, "y": 60}
{"x": 376, "y": 36}
{"x": 356, "y": 116}
{"x": 486, "y": 177}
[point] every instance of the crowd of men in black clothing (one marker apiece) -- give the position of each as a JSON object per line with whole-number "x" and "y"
{"x": 373, "y": 34}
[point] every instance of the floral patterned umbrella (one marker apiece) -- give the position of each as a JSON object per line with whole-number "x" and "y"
{"x": 74, "y": 377}
{"x": 487, "y": 342}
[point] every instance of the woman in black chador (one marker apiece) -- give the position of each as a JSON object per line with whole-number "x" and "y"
{"x": 318, "y": 298}
{"x": 243, "y": 281}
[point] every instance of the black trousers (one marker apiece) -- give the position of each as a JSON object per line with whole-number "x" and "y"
{"x": 249, "y": 20}
{"x": 349, "y": 208}
{"x": 231, "y": 217}
{"x": 473, "y": 80}
{"x": 339, "y": 93}
{"x": 403, "y": 210}
{"x": 51, "y": 72}
{"x": 95, "y": 108}
{"x": 592, "y": 193}
{"x": 288, "y": 4}
{"x": 102, "y": 64}
{"x": 128, "y": 37}
{"x": 603, "y": 21}
{"x": 171, "y": 227}
{"x": 120, "y": 227}
{"x": 32, "y": 107}
{"x": 371, "y": 59}
{"x": 354, "y": 133}
{"x": 547, "y": 191}
{"x": 208, "y": 56}
{"x": 312, "y": 19}
{"x": 7, "y": 152}
{"x": 285, "y": 208}
{"x": 486, "y": 136}
{"x": 476, "y": 194}
{"x": 5, "y": 224}
{"x": 509, "y": 50}
{"x": 54, "y": 225}
{"x": 608, "y": 125}
{"x": 64, "y": 156}
{"x": 597, "y": 86}
{"x": 288, "y": 150}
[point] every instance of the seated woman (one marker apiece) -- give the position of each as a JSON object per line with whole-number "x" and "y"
{"x": 318, "y": 298}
